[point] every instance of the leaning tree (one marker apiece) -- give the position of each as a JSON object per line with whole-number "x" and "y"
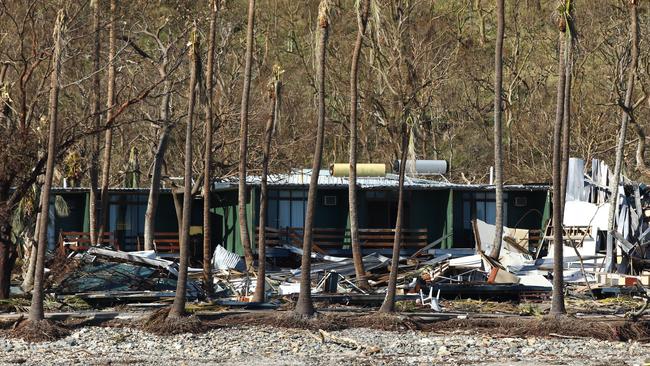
{"x": 304, "y": 305}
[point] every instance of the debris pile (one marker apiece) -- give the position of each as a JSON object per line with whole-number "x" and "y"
{"x": 427, "y": 275}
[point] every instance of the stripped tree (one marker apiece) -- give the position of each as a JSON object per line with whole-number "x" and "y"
{"x": 363, "y": 10}
{"x": 610, "y": 262}
{"x": 275, "y": 88}
{"x": 36, "y": 313}
{"x": 110, "y": 101}
{"x": 638, "y": 128}
{"x": 557, "y": 306}
{"x": 96, "y": 117}
{"x": 243, "y": 142}
{"x": 388, "y": 306}
{"x": 207, "y": 155}
{"x": 305, "y": 306}
{"x": 566, "y": 119}
{"x": 178, "y": 307}
{"x": 498, "y": 138}
{"x": 165, "y": 68}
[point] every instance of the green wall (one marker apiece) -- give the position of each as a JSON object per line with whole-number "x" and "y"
{"x": 226, "y": 207}
{"x": 528, "y": 216}
{"x": 428, "y": 210}
{"x": 332, "y": 216}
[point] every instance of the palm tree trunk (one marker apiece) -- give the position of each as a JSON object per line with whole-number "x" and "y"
{"x": 108, "y": 137}
{"x": 243, "y": 143}
{"x": 207, "y": 156}
{"x": 498, "y": 139}
{"x": 261, "y": 243}
{"x": 610, "y": 263}
{"x": 305, "y": 306}
{"x": 362, "y": 21}
{"x": 566, "y": 121}
{"x": 94, "y": 111}
{"x": 557, "y": 305}
{"x": 36, "y": 310}
{"x": 178, "y": 307}
{"x": 388, "y": 306}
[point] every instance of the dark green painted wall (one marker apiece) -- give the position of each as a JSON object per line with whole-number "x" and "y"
{"x": 528, "y": 216}
{"x": 428, "y": 210}
{"x": 226, "y": 209}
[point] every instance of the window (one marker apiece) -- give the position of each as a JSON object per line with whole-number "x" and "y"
{"x": 521, "y": 201}
{"x": 126, "y": 218}
{"x": 474, "y": 205}
{"x": 286, "y": 208}
{"x": 329, "y": 201}
{"x": 485, "y": 206}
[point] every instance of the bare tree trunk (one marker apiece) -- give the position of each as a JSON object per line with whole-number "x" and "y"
{"x": 557, "y": 305}
{"x": 178, "y": 209}
{"x": 7, "y": 256}
{"x": 28, "y": 277}
{"x": 566, "y": 121}
{"x": 498, "y": 135}
{"x": 305, "y": 306}
{"x": 610, "y": 263}
{"x": 274, "y": 96}
{"x": 243, "y": 143}
{"x": 178, "y": 307}
{"x": 640, "y": 148}
{"x": 388, "y": 306}
{"x": 108, "y": 137}
{"x": 362, "y": 21}
{"x": 207, "y": 163}
{"x": 36, "y": 310}
{"x": 94, "y": 111}
{"x": 481, "y": 21}
{"x": 156, "y": 175}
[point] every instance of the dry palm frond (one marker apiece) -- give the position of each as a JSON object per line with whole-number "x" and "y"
{"x": 411, "y": 157}
{"x": 61, "y": 206}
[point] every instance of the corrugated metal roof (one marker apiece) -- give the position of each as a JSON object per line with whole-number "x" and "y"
{"x": 110, "y": 190}
{"x": 302, "y": 177}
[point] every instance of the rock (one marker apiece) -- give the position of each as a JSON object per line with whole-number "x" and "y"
{"x": 442, "y": 351}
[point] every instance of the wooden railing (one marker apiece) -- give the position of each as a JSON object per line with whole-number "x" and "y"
{"x": 166, "y": 243}
{"x": 325, "y": 240}
{"x": 80, "y": 241}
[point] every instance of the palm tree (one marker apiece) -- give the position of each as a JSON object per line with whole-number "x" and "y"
{"x": 94, "y": 111}
{"x": 108, "y": 137}
{"x": 498, "y": 141}
{"x": 388, "y": 306}
{"x": 304, "y": 306}
{"x": 557, "y": 305}
{"x": 274, "y": 97}
{"x": 610, "y": 264}
{"x": 363, "y": 11}
{"x": 207, "y": 162}
{"x": 566, "y": 120}
{"x": 36, "y": 313}
{"x": 178, "y": 307}
{"x": 243, "y": 142}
